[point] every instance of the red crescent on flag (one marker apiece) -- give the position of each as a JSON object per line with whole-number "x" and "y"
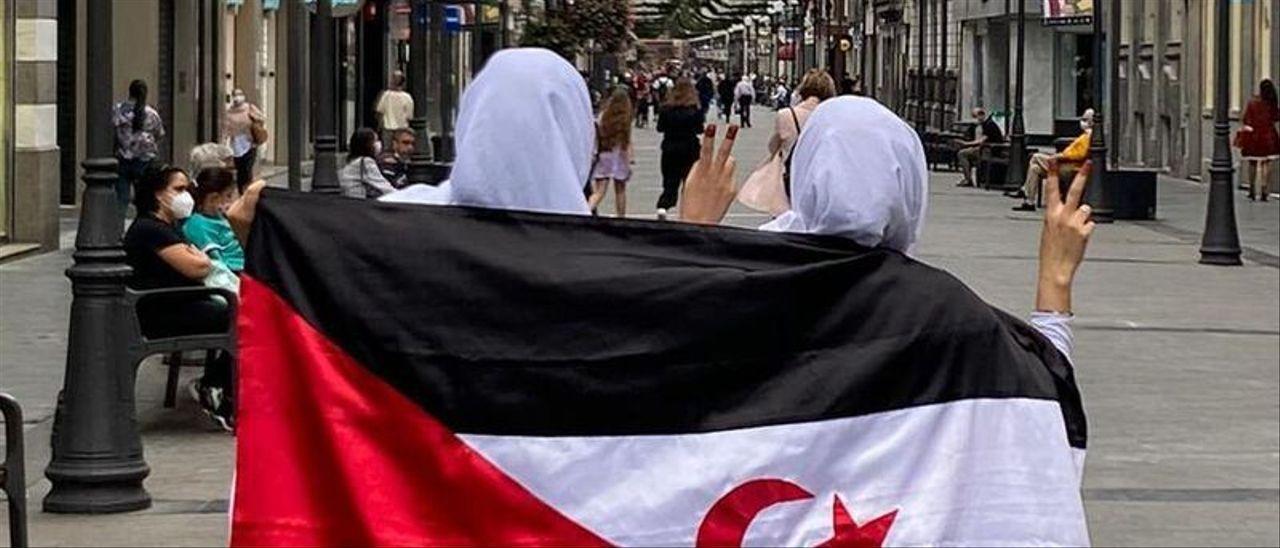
{"x": 727, "y": 521}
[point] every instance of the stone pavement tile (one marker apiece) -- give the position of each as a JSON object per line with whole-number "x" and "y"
{"x": 1181, "y": 205}
{"x": 190, "y": 481}
{"x": 1180, "y": 410}
{"x": 1184, "y": 523}
{"x": 35, "y": 306}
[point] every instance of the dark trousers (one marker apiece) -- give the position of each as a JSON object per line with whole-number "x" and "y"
{"x": 244, "y": 168}
{"x": 169, "y": 316}
{"x": 744, "y": 110}
{"x": 675, "y": 167}
{"x": 129, "y": 173}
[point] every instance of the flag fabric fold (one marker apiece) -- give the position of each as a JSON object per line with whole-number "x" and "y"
{"x": 426, "y": 375}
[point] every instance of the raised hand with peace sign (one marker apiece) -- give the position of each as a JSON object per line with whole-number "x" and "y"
{"x": 709, "y": 188}
{"x": 1067, "y": 227}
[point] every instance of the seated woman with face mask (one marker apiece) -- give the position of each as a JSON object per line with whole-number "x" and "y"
{"x": 160, "y": 257}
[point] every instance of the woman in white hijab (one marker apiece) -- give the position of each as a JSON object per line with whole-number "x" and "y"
{"x": 525, "y": 138}
{"x": 859, "y": 172}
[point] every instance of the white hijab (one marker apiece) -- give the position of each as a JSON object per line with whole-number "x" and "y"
{"x": 525, "y": 138}
{"x": 858, "y": 171}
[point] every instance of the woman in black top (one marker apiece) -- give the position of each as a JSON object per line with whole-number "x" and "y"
{"x": 680, "y": 121}
{"x": 161, "y": 258}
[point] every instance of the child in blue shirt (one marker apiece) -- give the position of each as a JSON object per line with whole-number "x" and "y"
{"x": 208, "y": 228}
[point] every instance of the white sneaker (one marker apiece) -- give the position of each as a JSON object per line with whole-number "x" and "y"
{"x": 662, "y": 214}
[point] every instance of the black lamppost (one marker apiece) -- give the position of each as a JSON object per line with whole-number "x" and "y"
{"x": 1096, "y": 193}
{"x": 419, "y": 164}
{"x": 97, "y": 464}
{"x": 1221, "y": 243}
{"x": 1008, "y": 12}
{"x": 324, "y": 178}
{"x": 444, "y": 62}
{"x": 297, "y": 15}
{"x": 919, "y": 83}
{"x": 1018, "y": 134}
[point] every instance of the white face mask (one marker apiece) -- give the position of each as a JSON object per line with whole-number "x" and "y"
{"x": 377, "y": 148}
{"x": 1086, "y": 124}
{"x": 181, "y": 205}
{"x": 237, "y": 99}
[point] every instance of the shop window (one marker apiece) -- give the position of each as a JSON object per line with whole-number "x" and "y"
{"x": 1074, "y": 82}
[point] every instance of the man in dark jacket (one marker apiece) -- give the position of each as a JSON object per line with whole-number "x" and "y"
{"x": 706, "y": 91}
{"x": 725, "y": 90}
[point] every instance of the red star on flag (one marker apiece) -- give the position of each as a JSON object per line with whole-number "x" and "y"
{"x": 849, "y": 534}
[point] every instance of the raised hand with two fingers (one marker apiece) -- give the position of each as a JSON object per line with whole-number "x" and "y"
{"x": 1068, "y": 224}
{"x": 709, "y": 189}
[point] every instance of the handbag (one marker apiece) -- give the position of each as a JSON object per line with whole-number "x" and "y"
{"x": 767, "y": 189}
{"x": 258, "y": 132}
{"x": 763, "y": 190}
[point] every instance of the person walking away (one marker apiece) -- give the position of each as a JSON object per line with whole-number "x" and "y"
{"x": 768, "y": 186}
{"x": 706, "y": 92}
{"x": 662, "y": 86}
{"x": 641, "y": 97}
{"x": 161, "y": 258}
{"x": 816, "y": 87}
{"x": 138, "y": 133}
{"x": 394, "y": 163}
{"x": 361, "y": 177}
{"x": 244, "y": 129}
{"x": 988, "y": 132}
{"x": 1038, "y": 169}
{"x": 725, "y": 90}
{"x": 613, "y": 159}
{"x": 681, "y": 122}
{"x": 745, "y": 94}
{"x": 1258, "y": 140}
{"x": 394, "y": 107}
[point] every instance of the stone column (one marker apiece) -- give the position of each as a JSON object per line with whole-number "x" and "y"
{"x": 36, "y": 162}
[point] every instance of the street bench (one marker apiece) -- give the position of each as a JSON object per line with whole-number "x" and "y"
{"x": 12, "y": 475}
{"x": 140, "y": 346}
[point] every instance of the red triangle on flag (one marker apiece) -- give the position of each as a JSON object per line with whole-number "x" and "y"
{"x": 327, "y": 453}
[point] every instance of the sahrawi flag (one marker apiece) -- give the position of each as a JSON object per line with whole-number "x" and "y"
{"x": 416, "y": 375}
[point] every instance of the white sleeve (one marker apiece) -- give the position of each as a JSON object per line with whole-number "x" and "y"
{"x": 1057, "y": 328}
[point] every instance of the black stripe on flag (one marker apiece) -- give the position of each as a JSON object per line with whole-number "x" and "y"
{"x": 515, "y": 323}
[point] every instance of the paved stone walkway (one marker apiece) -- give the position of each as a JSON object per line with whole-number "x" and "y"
{"x": 1177, "y": 361}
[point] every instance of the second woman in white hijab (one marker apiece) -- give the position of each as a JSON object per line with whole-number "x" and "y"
{"x": 859, "y": 172}
{"x": 525, "y": 138}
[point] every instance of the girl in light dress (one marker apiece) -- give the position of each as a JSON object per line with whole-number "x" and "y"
{"x": 614, "y": 152}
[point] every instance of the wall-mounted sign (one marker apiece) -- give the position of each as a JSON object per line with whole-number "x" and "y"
{"x": 1068, "y": 12}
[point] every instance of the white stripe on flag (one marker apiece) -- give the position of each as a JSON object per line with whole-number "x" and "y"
{"x": 974, "y": 472}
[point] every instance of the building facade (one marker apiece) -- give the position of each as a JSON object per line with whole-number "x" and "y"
{"x": 192, "y": 54}
{"x": 1162, "y": 115}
